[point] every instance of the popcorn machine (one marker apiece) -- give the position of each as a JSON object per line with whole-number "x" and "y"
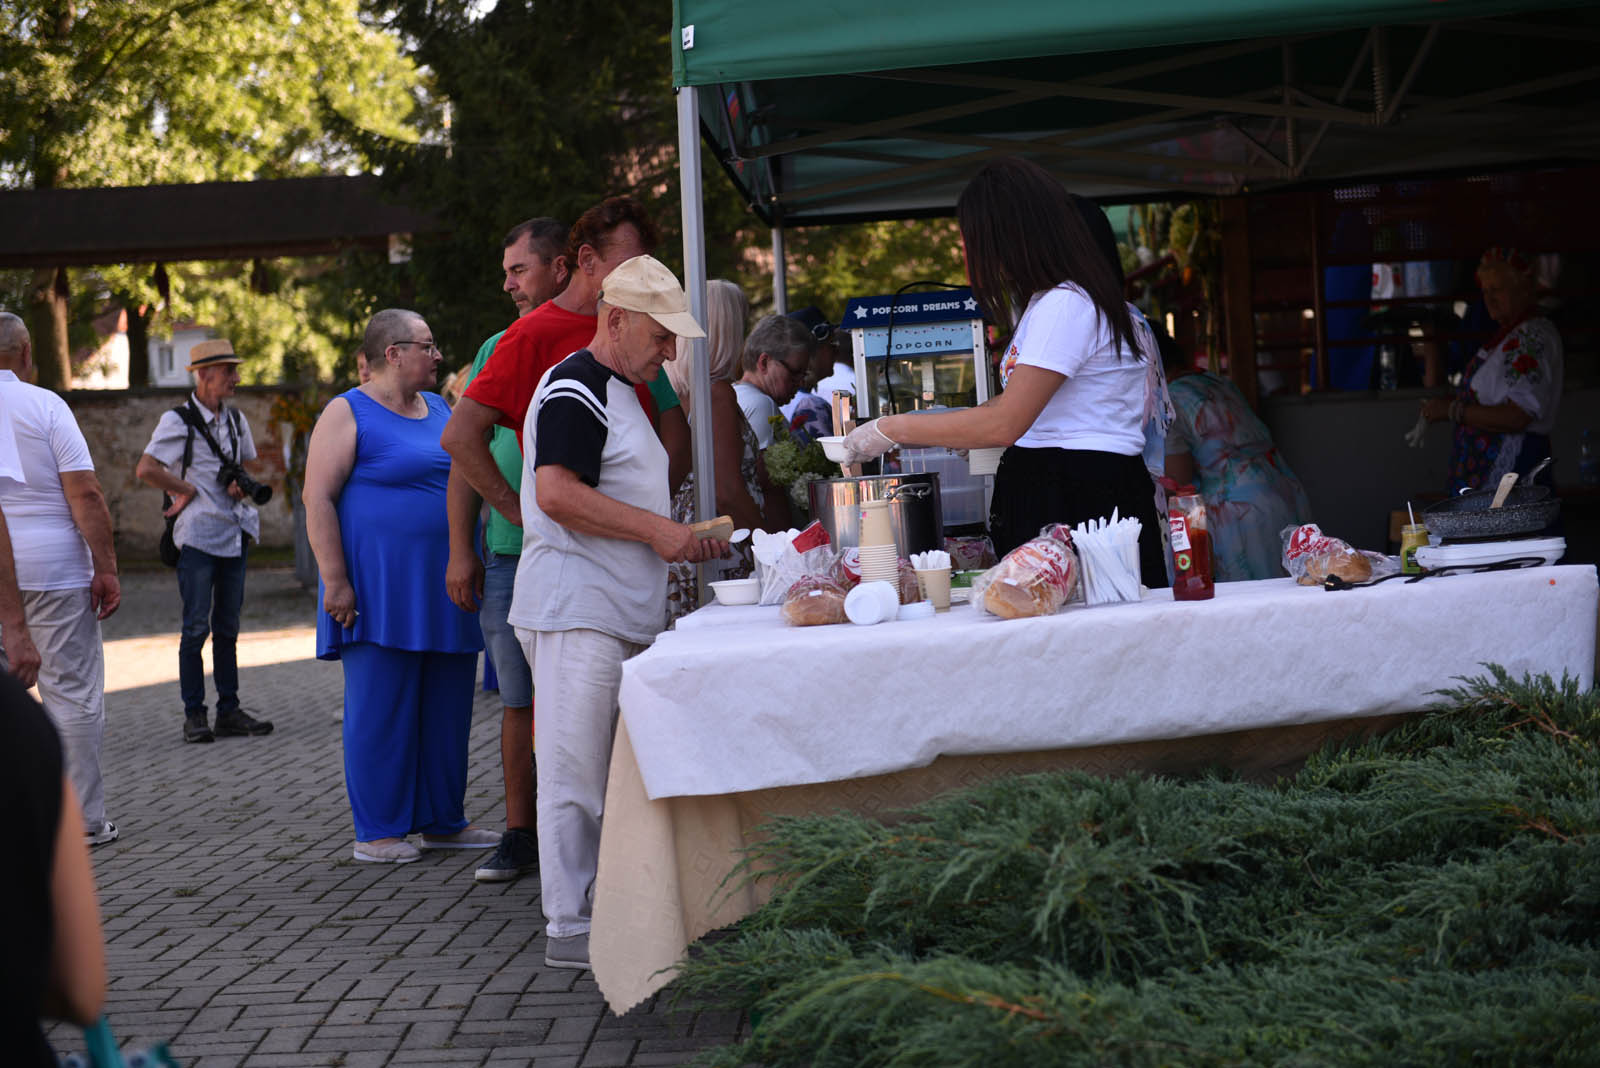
{"x": 914, "y": 351}
{"x": 919, "y": 352}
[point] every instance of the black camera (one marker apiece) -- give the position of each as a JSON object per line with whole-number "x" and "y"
{"x": 234, "y": 474}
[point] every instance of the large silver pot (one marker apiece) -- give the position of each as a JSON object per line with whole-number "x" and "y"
{"x": 914, "y": 509}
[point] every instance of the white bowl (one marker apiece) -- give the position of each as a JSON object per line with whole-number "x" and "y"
{"x": 871, "y": 602}
{"x": 737, "y": 591}
{"x": 833, "y": 447}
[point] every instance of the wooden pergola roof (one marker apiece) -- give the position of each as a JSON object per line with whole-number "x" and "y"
{"x": 205, "y": 221}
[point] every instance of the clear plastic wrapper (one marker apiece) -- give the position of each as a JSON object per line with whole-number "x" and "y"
{"x": 1311, "y": 556}
{"x": 1035, "y": 579}
{"x": 785, "y": 558}
{"x": 814, "y": 600}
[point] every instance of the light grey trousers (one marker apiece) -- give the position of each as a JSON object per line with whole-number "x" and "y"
{"x": 72, "y": 686}
{"x": 576, "y": 676}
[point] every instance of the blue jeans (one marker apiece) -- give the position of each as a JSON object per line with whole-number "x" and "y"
{"x": 510, "y": 665}
{"x": 213, "y": 592}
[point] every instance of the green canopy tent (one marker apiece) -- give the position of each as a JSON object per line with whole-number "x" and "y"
{"x": 835, "y": 112}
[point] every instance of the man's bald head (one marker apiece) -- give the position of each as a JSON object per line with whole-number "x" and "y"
{"x": 14, "y": 343}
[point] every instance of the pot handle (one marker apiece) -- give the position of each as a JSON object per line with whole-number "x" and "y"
{"x": 913, "y": 490}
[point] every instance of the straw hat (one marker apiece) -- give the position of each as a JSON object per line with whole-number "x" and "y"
{"x": 211, "y": 353}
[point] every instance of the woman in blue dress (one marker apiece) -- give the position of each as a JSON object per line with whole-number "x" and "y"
{"x": 375, "y": 515}
{"x": 1217, "y": 443}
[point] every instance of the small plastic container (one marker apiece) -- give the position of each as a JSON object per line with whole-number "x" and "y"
{"x": 737, "y": 591}
{"x": 871, "y": 602}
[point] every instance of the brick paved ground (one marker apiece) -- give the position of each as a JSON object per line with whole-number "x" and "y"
{"x": 240, "y": 931}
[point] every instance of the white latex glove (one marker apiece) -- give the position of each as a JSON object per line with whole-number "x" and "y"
{"x": 1415, "y": 435}
{"x": 867, "y": 442}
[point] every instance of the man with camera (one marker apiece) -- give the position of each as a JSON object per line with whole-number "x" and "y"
{"x": 211, "y": 502}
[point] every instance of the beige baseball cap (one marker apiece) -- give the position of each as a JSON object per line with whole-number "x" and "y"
{"x": 211, "y": 353}
{"x": 644, "y": 284}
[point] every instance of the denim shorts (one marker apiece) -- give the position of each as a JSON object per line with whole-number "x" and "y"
{"x": 516, "y": 681}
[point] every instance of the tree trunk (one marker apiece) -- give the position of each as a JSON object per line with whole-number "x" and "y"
{"x": 138, "y": 344}
{"x": 47, "y": 324}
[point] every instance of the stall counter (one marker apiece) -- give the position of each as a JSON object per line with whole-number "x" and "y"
{"x": 735, "y": 714}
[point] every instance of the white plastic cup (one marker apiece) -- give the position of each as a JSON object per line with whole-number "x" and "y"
{"x": 871, "y": 602}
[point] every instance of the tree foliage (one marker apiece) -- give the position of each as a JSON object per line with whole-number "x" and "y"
{"x": 161, "y": 91}
{"x": 1430, "y": 897}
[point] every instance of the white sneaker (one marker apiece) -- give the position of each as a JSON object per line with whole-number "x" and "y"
{"x": 398, "y": 852}
{"x": 107, "y": 833}
{"x": 466, "y": 838}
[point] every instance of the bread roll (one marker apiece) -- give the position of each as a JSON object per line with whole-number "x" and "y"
{"x": 1348, "y": 564}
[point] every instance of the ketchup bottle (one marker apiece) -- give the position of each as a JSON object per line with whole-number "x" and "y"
{"x": 1191, "y": 546}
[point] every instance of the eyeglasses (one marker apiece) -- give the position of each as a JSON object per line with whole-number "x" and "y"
{"x": 427, "y": 347}
{"x": 822, "y": 331}
{"x": 804, "y": 369}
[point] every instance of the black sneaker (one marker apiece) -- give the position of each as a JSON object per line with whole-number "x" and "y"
{"x": 239, "y": 723}
{"x": 516, "y": 855}
{"x": 196, "y": 730}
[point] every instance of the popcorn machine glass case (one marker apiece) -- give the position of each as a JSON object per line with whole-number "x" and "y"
{"x": 917, "y": 350}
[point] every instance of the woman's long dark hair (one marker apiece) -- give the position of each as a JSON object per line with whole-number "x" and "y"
{"x": 1023, "y": 234}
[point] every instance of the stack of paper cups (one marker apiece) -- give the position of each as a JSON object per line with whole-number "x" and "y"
{"x": 880, "y": 563}
{"x": 879, "y": 557}
{"x": 876, "y": 529}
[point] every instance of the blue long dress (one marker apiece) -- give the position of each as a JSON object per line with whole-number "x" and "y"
{"x": 409, "y": 660}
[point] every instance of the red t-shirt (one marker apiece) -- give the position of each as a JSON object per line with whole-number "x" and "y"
{"x": 530, "y": 347}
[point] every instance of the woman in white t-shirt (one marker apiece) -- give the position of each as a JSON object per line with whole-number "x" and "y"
{"x": 1074, "y": 405}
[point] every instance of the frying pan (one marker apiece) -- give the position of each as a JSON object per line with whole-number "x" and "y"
{"x": 1527, "y": 509}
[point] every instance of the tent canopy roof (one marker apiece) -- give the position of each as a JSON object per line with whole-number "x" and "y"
{"x": 825, "y": 112}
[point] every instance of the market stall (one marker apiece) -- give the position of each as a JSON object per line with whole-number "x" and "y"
{"x": 736, "y": 715}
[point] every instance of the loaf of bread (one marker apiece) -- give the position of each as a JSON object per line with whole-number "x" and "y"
{"x": 1348, "y": 564}
{"x": 814, "y": 601}
{"x": 1035, "y": 578}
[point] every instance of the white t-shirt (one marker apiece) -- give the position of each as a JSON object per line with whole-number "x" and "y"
{"x": 586, "y": 418}
{"x": 50, "y": 552}
{"x": 1101, "y": 404}
{"x": 843, "y": 380}
{"x": 758, "y": 409}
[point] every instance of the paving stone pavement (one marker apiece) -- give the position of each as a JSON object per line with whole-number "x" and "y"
{"x": 240, "y": 931}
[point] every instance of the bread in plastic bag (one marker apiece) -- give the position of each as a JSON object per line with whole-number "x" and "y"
{"x": 1035, "y": 579}
{"x": 1311, "y": 556}
{"x": 814, "y": 600}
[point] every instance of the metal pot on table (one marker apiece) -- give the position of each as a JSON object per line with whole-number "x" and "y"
{"x": 915, "y": 510}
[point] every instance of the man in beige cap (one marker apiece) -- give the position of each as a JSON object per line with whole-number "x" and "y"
{"x": 591, "y": 582}
{"x": 206, "y": 440}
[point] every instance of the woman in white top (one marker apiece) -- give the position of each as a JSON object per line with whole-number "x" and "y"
{"x": 1074, "y": 402}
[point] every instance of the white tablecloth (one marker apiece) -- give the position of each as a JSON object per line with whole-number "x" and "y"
{"x": 736, "y": 716}
{"x": 736, "y": 700}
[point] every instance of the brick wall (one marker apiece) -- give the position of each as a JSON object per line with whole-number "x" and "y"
{"x": 118, "y": 423}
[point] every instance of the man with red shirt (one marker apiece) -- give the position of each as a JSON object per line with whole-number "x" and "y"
{"x": 612, "y": 231}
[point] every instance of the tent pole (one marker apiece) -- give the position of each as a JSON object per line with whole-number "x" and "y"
{"x": 780, "y": 271}
{"x": 694, "y": 281}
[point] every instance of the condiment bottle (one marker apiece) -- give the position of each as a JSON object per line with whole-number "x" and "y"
{"x": 1191, "y": 546}
{"x": 1412, "y": 537}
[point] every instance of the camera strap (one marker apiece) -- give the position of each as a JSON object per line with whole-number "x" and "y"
{"x": 196, "y": 421}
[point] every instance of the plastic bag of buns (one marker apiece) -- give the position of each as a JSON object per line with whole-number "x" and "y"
{"x": 1312, "y": 556}
{"x": 1035, "y": 579}
{"x": 814, "y": 601}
